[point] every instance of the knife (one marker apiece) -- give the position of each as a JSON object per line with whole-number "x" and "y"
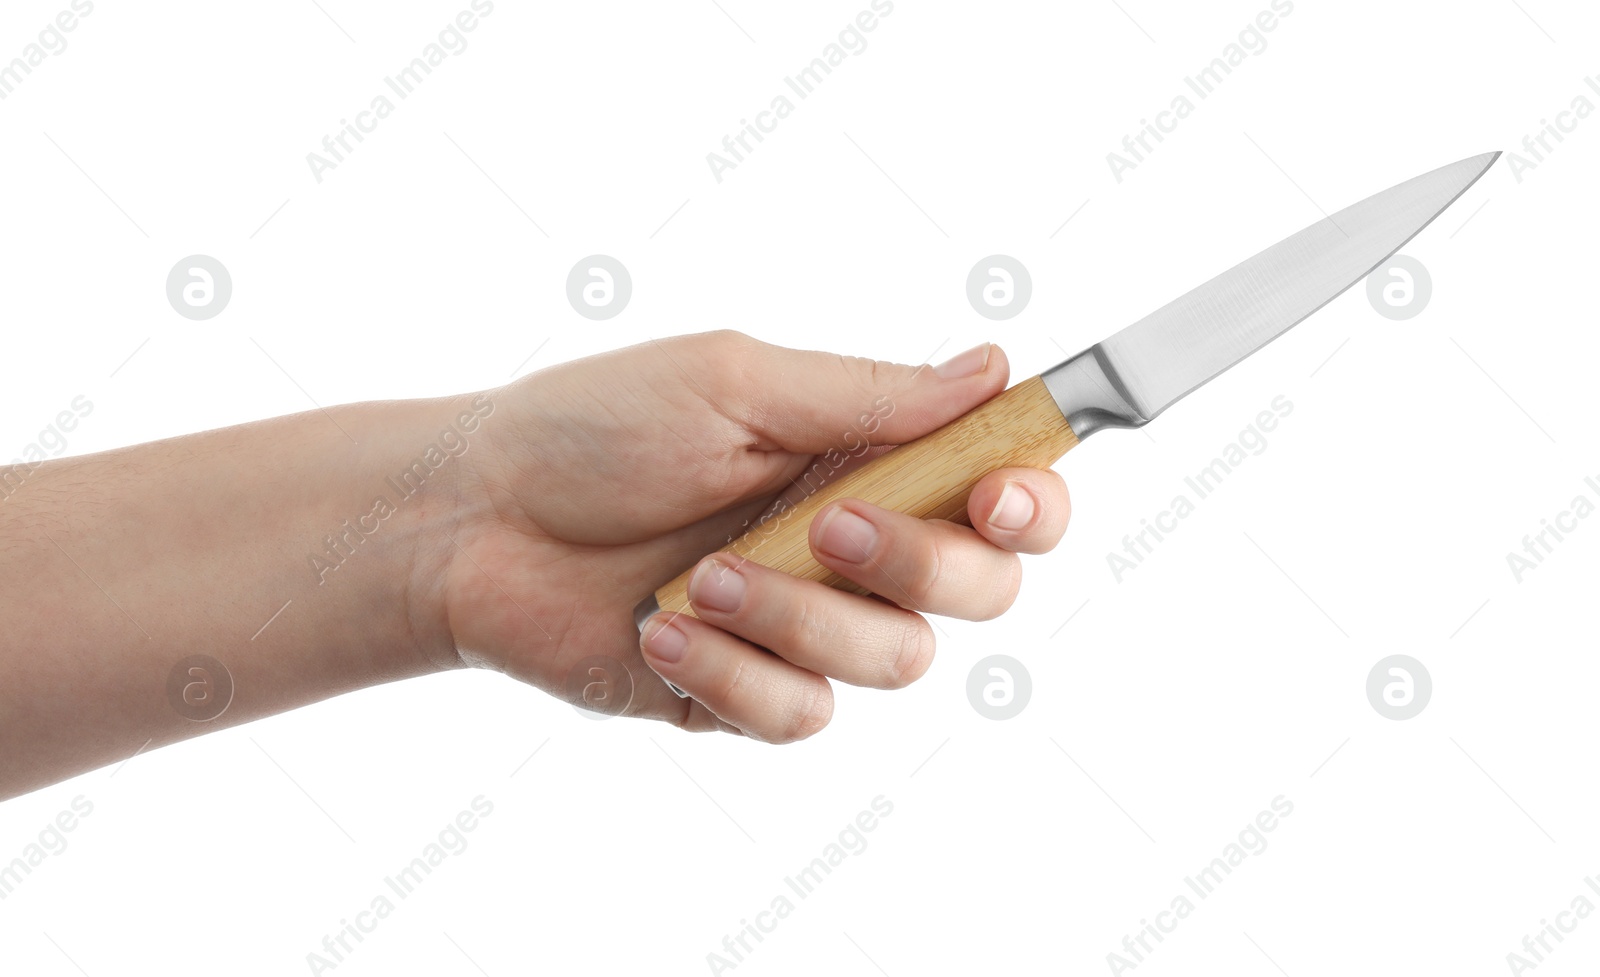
{"x": 1125, "y": 380}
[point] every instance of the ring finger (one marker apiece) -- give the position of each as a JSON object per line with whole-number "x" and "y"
{"x": 846, "y": 636}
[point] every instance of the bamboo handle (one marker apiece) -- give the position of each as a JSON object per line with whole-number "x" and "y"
{"x": 930, "y": 477}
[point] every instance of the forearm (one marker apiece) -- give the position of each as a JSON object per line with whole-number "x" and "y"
{"x": 116, "y": 567}
{"x": 515, "y": 530}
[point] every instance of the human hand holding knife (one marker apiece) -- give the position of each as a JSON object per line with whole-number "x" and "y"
{"x": 1124, "y": 380}
{"x": 536, "y": 513}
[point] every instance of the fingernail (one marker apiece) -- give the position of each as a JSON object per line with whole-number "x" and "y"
{"x": 664, "y": 640}
{"x": 967, "y": 364}
{"x": 717, "y": 586}
{"x": 1013, "y": 510}
{"x": 846, "y": 536}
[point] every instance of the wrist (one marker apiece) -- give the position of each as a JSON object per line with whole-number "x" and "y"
{"x": 426, "y": 487}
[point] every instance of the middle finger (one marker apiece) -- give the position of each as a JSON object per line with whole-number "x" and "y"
{"x": 928, "y": 565}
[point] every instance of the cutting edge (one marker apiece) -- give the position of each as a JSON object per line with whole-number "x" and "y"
{"x": 1091, "y": 393}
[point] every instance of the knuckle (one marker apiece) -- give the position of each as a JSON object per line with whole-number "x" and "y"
{"x": 913, "y": 653}
{"x": 726, "y": 365}
{"x": 693, "y": 717}
{"x": 690, "y": 717}
{"x": 814, "y": 709}
{"x": 878, "y": 376}
{"x": 726, "y": 340}
{"x": 1007, "y": 584}
{"x": 880, "y": 373}
{"x": 732, "y": 682}
{"x": 732, "y": 352}
{"x": 803, "y": 626}
{"x": 923, "y": 572}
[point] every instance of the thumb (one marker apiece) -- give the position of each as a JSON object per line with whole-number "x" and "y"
{"x": 805, "y": 401}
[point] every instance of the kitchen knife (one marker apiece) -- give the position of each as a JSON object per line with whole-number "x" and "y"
{"x": 1124, "y": 380}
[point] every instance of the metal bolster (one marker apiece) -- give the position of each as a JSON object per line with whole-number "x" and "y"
{"x": 643, "y": 610}
{"x": 1091, "y": 395}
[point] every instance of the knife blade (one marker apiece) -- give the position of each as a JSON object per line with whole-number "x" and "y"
{"x": 1136, "y": 373}
{"x": 1125, "y": 380}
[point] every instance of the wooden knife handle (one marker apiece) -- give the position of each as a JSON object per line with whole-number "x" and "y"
{"x": 930, "y": 478}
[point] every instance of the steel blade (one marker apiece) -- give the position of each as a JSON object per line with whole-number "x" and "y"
{"x": 1135, "y": 374}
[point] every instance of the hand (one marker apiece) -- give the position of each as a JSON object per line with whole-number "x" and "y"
{"x": 608, "y": 476}
{"x": 320, "y": 553}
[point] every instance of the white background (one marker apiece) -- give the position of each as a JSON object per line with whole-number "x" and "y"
{"x": 1228, "y": 669}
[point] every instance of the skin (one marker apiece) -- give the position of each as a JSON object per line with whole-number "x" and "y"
{"x": 546, "y": 510}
